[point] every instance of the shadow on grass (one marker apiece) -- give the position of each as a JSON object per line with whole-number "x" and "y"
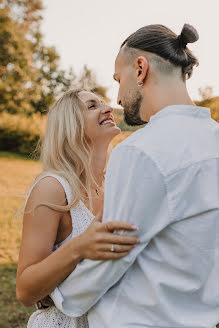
{"x": 12, "y": 313}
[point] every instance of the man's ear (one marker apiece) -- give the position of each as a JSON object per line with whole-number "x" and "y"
{"x": 141, "y": 69}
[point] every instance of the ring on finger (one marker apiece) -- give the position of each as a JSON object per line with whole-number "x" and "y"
{"x": 113, "y": 248}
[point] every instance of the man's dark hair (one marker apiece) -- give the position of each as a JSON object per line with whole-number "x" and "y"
{"x": 160, "y": 40}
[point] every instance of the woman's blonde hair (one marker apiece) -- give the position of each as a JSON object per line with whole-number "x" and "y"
{"x": 66, "y": 150}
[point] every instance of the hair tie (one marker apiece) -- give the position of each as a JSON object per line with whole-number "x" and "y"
{"x": 182, "y": 41}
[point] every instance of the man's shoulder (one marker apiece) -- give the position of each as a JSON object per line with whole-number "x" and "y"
{"x": 134, "y": 140}
{"x": 171, "y": 143}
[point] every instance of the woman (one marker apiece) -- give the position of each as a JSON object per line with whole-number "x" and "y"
{"x": 62, "y": 203}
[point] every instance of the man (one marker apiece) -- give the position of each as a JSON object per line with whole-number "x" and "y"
{"x": 165, "y": 178}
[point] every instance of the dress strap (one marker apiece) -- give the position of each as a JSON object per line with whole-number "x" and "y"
{"x": 61, "y": 180}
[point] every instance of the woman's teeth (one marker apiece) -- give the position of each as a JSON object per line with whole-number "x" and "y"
{"x": 106, "y": 122}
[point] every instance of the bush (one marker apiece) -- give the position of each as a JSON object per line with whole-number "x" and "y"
{"x": 19, "y": 133}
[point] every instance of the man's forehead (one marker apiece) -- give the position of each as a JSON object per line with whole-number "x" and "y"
{"x": 119, "y": 62}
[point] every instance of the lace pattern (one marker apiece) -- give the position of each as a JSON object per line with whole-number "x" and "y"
{"x": 52, "y": 317}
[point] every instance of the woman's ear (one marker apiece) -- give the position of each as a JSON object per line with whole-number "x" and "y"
{"x": 141, "y": 69}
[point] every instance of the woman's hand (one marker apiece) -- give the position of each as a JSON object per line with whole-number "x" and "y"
{"x": 96, "y": 242}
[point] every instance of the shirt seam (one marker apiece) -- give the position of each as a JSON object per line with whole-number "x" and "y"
{"x": 150, "y": 156}
{"x": 190, "y": 164}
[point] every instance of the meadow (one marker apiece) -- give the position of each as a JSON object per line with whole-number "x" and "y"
{"x": 17, "y": 173}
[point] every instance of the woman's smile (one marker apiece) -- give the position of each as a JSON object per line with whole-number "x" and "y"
{"x": 107, "y": 120}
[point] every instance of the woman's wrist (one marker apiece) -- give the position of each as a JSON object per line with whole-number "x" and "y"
{"x": 76, "y": 250}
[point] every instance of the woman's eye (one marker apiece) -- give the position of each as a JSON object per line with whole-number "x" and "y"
{"x": 91, "y": 106}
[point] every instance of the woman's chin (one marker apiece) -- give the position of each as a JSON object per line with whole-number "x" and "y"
{"x": 115, "y": 131}
{"x": 111, "y": 133}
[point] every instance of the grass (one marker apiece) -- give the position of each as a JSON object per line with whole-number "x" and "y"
{"x": 17, "y": 173}
{"x": 12, "y": 313}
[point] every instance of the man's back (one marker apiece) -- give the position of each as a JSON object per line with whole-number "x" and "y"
{"x": 165, "y": 179}
{"x": 173, "y": 281}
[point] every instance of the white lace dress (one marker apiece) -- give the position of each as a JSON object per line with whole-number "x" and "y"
{"x": 52, "y": 317}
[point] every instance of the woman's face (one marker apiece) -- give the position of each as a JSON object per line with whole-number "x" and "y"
{"x": 99, "y": 122}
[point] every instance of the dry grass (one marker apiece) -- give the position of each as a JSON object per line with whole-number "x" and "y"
{"x": 16, "y": 176}
{"x": 17, "y": 173}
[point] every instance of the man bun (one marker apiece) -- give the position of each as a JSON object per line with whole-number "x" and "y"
{"x": 188, "y": 35}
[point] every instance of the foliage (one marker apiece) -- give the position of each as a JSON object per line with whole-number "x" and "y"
{"x": 30, "y": 73}
{"x": 16, "y": 68}
{"x": 19, "y": 133}
{"x": 87, "y": 80}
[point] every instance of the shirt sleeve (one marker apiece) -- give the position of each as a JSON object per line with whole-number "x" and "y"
{"x": 134, "y": 192}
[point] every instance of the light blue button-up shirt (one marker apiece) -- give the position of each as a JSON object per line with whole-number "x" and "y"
{"x": 165, "y": 179}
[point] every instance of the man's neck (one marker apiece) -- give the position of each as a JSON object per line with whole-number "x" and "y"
{"x": 160, "y": 97}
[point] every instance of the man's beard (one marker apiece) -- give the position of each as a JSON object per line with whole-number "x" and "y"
{"x": 132, "y": 110}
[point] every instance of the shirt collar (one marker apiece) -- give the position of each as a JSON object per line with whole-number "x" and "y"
{"x": 186, "y": 110}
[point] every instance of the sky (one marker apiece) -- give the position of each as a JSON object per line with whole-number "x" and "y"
{"x": 91, "y": 32}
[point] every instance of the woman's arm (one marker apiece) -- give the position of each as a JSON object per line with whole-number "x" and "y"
{"x": 40, "y": 270}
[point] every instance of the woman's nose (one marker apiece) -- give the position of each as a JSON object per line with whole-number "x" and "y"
{"x": 107, "y": 109}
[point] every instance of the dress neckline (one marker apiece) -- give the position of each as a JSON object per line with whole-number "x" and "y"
{"x": 86, "y": 208}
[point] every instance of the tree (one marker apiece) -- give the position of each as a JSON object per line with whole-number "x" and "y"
{"x": 17, "y": 71}
{"x": 29, "y": 71}
{"x": 31, "y": 77}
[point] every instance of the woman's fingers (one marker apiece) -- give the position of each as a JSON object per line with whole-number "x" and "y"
{"x": 112, "y": 238}
{"x": 119, "y": 225}
{"x": 117, "y": 248}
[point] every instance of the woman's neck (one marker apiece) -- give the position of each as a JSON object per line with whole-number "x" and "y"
{"x": 98, "y": 162}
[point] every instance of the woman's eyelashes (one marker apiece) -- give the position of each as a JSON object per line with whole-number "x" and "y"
{"x": 91, "y": 106}
{"x": 96, "y": 105}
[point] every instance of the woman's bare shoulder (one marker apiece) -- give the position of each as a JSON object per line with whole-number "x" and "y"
{"x": 48, "y": 189}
